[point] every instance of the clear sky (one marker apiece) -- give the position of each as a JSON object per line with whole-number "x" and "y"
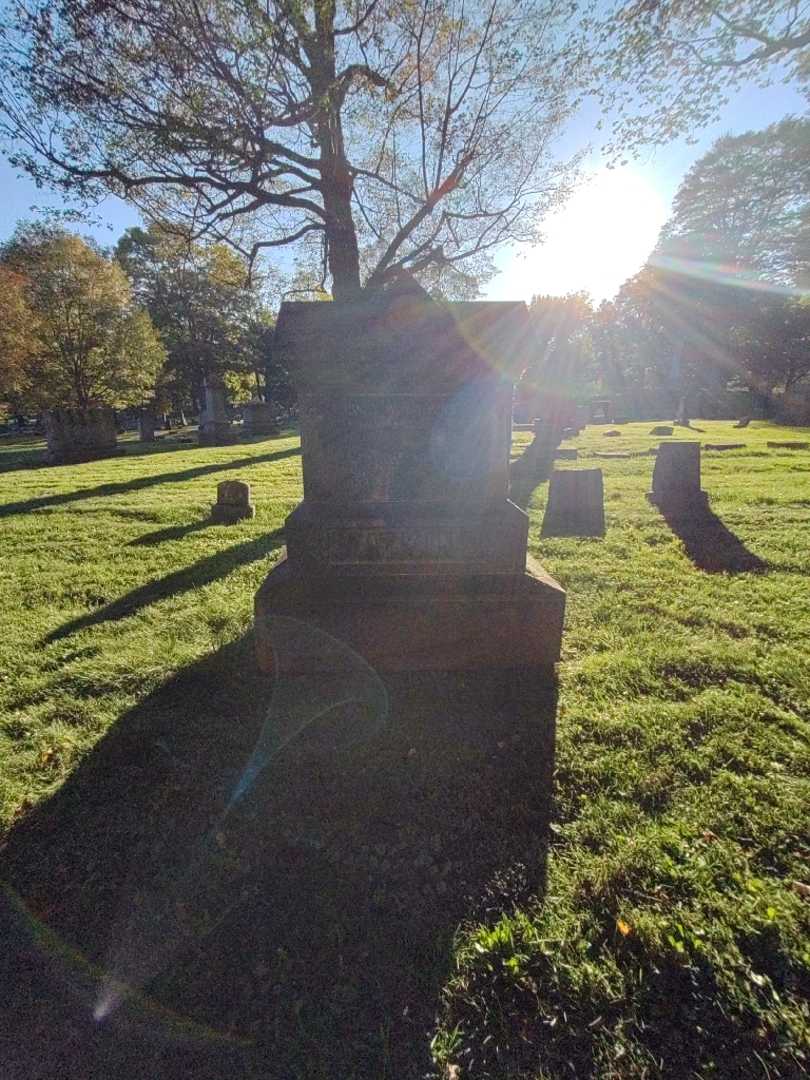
{"x": 598, "y": 240}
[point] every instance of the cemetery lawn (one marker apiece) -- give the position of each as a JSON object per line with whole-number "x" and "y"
{"x": 666, "y": 934}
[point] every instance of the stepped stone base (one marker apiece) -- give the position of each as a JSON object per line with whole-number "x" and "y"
{"x": 432, "y": 622}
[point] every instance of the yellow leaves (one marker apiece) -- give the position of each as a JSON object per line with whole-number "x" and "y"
{"x": 624, "y": 928}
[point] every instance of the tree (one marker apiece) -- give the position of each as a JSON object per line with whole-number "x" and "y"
{"x": 18, "y": 339}
{"x": 204, "y": 304}
{"x": 91, "y": 344}
{"x": 381, "y": 136}
{"x": 683, "y": 58}
{"x": 745, "y": 204}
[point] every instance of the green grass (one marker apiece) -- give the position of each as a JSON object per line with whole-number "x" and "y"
{"x": 668, "y": 933}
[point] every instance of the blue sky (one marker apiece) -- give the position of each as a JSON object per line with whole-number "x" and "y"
{"x": 596, "y": 242}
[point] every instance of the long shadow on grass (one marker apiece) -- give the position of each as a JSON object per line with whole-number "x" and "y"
{"x": 140, "y": 483}
{"x": 202, "y": 572}
{"x": 351, "y": 870}
{"x": 710, "y": 544}
{"x": 529, "y": 471}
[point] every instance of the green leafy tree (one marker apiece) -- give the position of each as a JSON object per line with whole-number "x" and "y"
{"x": 91, "y": 344}
{"x": 18, "y": 335}
{"x": 745, "y": 205}
{"x": 376, "y": 136}
{"x": 685, "y": 58}
{"x": 204, "y": 303}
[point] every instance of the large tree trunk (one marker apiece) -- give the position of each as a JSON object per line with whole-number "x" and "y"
{"x": 343, "y": 257}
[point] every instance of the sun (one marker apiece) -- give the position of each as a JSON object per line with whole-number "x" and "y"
{"x": 600, "y": 238}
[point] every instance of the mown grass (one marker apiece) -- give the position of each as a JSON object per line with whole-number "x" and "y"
{"x": 671, "y": 935}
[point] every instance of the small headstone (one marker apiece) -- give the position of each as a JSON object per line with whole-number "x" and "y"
{"x": 566, "y": 453}
{"x": 788, "y": 445}
{"x": 612, "y": 454}
{"x": 724, "y": 446}
{"x": 676, "y": 477}
{"x": 611, "y": 434}
{"x": 743, "y": 422}
{"x": 576, "y": 504}
{"x": 662, "y": 429}
{"x": 233, "y": 502}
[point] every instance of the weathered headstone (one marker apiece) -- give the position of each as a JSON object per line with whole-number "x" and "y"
{"x": 743, "y": 422}
{"x": 611, "y": 434}
{"x": 676, "y": 477}
{"x": 788, "y": 444}
{"x": 147, "y": 423}
{"x": 724, "y": 446}
{"x": 259, "y": 418}
{"x": 576, "y": 504}
{"x": 662, "y": 429}
{"x": 75, "y": 435}
{"x": 566, "y": 453}
{"x": 406, "y": 546}
{"x": 215, "y": 427}
{"x": 233, "y": 502}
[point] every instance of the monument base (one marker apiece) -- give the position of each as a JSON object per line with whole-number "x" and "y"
{"x": 216, "y": 433}
{"x": 413, "y": 622}
{"x": 680, "y": 502}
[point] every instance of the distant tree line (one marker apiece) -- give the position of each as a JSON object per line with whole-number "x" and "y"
{"x": 721, "y": 304}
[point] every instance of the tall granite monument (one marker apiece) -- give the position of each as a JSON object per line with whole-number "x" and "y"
{"x": 215, "y": 427}
{"x": 406, "y": 546}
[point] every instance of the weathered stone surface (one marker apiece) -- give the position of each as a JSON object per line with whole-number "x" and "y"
{"x": 566, "y": 453}
{"x": 259, "y": 418}
{"x": 611, "y": 434}
{"x": 233, "y": 502}
{"x": 215, "y": 427}
{"x": 147, "y": 423}
{"x": 662, "y": 429}
{"x": 406, "y": 546}
{"x": 724, "y": 446}
{"x": 576, "y": 504}
{"x": 75, "y": 435}
{"x": 743, "y": 422}
{"x": 676, "y": 477}
{"x": 790, "y": 444}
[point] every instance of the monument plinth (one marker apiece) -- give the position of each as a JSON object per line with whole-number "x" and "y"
{"x": 406, "y": 546}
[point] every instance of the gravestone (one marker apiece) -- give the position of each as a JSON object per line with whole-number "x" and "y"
{"x": 743, "y": 423}
{"x": 662, "y": 429}
{"x": 406, "y": 546}
{"x": 676, "y": 478}
{"x": 215, "y": 427}
{"x": 76, "y": 435}
{"x": 259, "y": 418}
{"x": 788, "y": 444}
{"x": 566, "y": 453}
{"x": 576, "y": 504}
{"x": 233, "y": 502}
{"x": 724, "y": 446}
{"x": 147, "y": 423}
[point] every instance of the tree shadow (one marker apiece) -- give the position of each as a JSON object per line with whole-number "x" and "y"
{"x": 710, "y": 544}
{"x": 202, "y": 572}
{"x": 140, "y": 483}
{"x": 325, "y": 903}
{"x": 172, "y": 532}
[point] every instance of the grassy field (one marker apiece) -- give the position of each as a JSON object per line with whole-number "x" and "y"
{"x": 410, "y": 903}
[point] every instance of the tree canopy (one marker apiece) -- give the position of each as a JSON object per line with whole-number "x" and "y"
{"x": 383, "y": 136}
{"x": 208, "y": 310}
{"x": 683, "y": 58}
{"x": 88, "y": 343}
